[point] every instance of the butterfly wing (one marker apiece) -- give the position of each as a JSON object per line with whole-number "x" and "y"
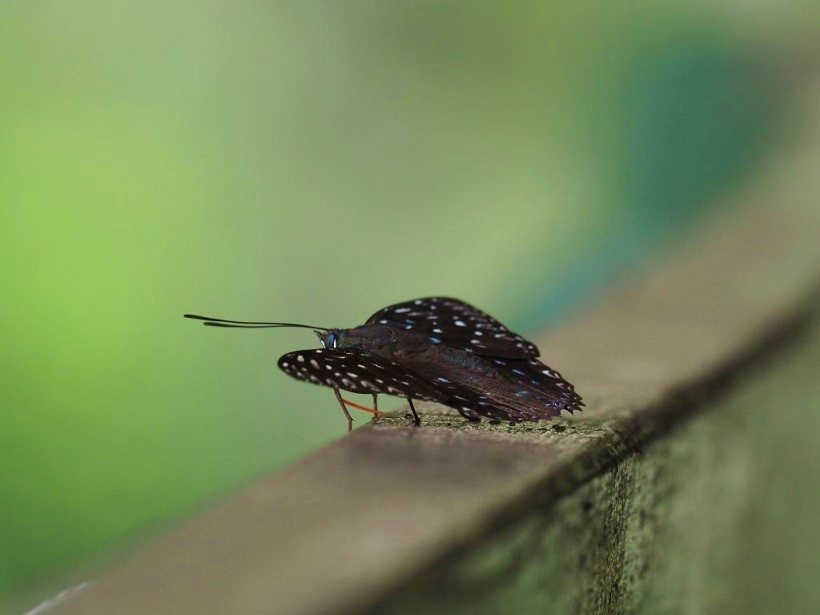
{"x": 457, "y": 324}
{"x": 533, "y": 374}
{"x": 356, "y": 372}
{"x": 504, "y": 389}
{"x": 515, "y": 390}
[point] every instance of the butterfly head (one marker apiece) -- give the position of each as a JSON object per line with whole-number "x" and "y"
{"x": 332, "y": 338}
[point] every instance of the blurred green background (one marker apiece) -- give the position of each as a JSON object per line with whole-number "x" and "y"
{"x": 314, "y": 162}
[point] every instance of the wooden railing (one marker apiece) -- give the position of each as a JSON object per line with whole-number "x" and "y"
{"x": 686, "y": 486}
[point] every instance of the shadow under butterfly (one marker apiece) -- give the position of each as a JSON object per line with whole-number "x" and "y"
{"x": 434, "y": 349}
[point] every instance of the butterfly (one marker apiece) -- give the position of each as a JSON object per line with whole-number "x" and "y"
{"x": 434, "y": 349}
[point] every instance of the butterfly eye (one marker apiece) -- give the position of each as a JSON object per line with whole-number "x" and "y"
{"x": 331, "y": 341}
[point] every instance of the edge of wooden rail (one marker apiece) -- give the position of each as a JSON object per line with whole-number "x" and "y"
{"x": 345, "y": 526}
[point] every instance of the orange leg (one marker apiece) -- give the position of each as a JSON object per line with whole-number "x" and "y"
{"x": 353, "y": 404}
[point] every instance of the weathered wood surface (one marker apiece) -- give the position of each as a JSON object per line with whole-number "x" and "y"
{"x": 453, "y": 516}
{"x": 716, "y": 516}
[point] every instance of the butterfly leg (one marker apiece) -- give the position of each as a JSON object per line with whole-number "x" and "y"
{"x": 344, "y": 409}
{"x": 416, "y": 418}
{"x": 470, "y": 416}
{"x": 376, "y": 412}
{"x": 353, "y": 404}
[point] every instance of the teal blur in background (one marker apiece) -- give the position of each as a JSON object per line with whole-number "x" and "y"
{"x": 314, "y": 162}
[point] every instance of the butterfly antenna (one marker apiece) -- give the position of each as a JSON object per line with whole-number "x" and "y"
{"x": 248, "y": 324}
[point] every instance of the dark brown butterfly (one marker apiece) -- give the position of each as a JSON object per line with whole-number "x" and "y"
{"x": 434, "y": 349}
